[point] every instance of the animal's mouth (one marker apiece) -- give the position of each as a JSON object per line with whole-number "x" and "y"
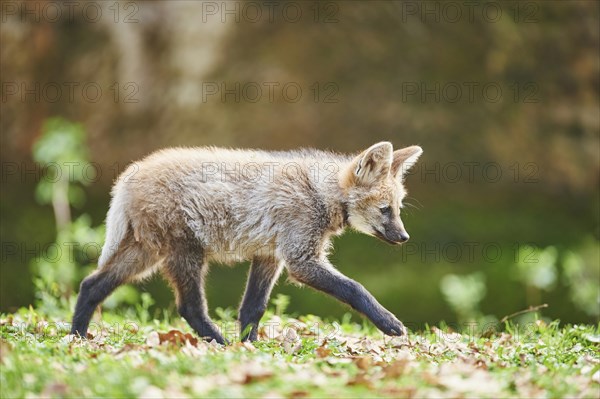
{"x": 382, "y": 237}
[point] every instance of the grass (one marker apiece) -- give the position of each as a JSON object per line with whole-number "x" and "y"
{"x": 294, "y": 358}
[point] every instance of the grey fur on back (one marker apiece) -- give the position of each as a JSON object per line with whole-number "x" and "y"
{"x": 236, "y": 203}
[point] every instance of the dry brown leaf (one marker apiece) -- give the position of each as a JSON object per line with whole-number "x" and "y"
{"x": 125, "y": 348}
{"x": 4, "y": 350}
{"x": 298, "y": 394}
{"x": 178, "y": 338}
{"x": 290, "y": 334}
{"x": 361, "y": 379}
{"x": 480, "y": 363}
{"x": 249, "y": 346}
{"x": 249, "y": 372}
{"x": 323, "y": 351}
{"x": 173, "y": 337}
{"x": 371, "y": 346}
{"x": 363, "y": 362}
{"x": 398, "y": 392}
{"x": 395, "y": 369}
{"x": 291, "y": 346}
{"x": 55, "y": 389}
{"x": 430, "y": 378}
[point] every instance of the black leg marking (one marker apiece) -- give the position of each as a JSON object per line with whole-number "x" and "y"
{"x": 186, "y": 269}
{"x": 261, "y": 279}
{"x": 94, "y": 289}
{"x": 325, "y": 278}
{"x": 127, "y": 262}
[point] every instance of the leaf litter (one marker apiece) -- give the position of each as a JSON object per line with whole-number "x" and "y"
{"x": 296, "y": 363}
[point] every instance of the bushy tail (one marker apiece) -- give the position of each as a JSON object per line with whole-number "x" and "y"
{"x": 117, "y": 223}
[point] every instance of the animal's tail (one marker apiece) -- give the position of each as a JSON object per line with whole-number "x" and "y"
{"x": 117, "y": 223}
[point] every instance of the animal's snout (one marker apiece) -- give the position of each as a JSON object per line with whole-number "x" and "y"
{"x": 397, "y": 235}
{"x": 404, "y": 236}
{"x": 393, "y": 234}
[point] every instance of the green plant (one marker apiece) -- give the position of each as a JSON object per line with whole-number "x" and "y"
{"x": 464, "y": 293}
{"x": 536, "y": 268}
{"x": 62, "y": 151}
{"x": 581, "y": 272}
{"x": 281, "y": 302}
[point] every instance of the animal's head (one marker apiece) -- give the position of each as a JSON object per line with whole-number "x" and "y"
{"x": 374, "y": 190}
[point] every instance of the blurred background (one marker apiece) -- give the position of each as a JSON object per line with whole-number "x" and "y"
{"x": 503, "y": 97}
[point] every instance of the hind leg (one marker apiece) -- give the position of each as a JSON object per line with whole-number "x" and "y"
{"x": 261, "y": 279}
{"x": 185, "y": 268}
{"x": 93, "y": 290}
{"x": 129, "y": 261}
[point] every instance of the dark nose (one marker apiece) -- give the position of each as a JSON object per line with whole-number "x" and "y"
{"x": 404, "y": 236}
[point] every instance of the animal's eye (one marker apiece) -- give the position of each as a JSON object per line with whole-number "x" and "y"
{"x": 386, "y": 210}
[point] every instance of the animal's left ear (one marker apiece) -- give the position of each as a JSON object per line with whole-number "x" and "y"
{"x": 404, "y": 159}
{"x": 370, "y": 167}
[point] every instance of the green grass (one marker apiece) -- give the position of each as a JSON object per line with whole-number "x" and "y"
{"x": 313, "y": 359}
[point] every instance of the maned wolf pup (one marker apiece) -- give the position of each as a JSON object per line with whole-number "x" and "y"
{"x": 180, "y": 208}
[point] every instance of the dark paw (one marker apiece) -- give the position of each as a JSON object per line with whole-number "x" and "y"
{"x": 209, "y": 333}
{"x": 392, "y": 326}
{"x": 216, "y": 337}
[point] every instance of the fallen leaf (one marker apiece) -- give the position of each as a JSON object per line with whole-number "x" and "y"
{"x": 479, "y": 363}
{"x": 55, "y": 389}
{"x": 198, "y": 350}
{"x": 371, "y": 346}
{"x": 395, "y": 369}
{"x": 298, "y": 394}
{"x": 292, "y": 347}
{"x": 247, "y": 373}
{"x": 595, "y": 338}
{"x": 290, "y": 335}
{"x": 173, "y": 337}
{"x": 363, "y": 362}
{"x": 397, "y": 392}
{"x": 247, "y": 345}
{"x": 153, "y": 339}
{"x": 323, "y": 351}
{"x": 126, "y": 348}
{"x": 361, "y": 379}
{"x": 4, "y": 350}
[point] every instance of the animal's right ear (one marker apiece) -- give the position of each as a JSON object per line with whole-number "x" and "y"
{"x": 404, "y": 159}
{"x": 370, "y": 167}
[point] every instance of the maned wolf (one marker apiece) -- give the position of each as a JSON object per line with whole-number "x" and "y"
{"x": 180, "y": 208}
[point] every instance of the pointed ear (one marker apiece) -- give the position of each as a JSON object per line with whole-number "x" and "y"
{"x": 370, "y": 167}
{"x": 404, "y": 159}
